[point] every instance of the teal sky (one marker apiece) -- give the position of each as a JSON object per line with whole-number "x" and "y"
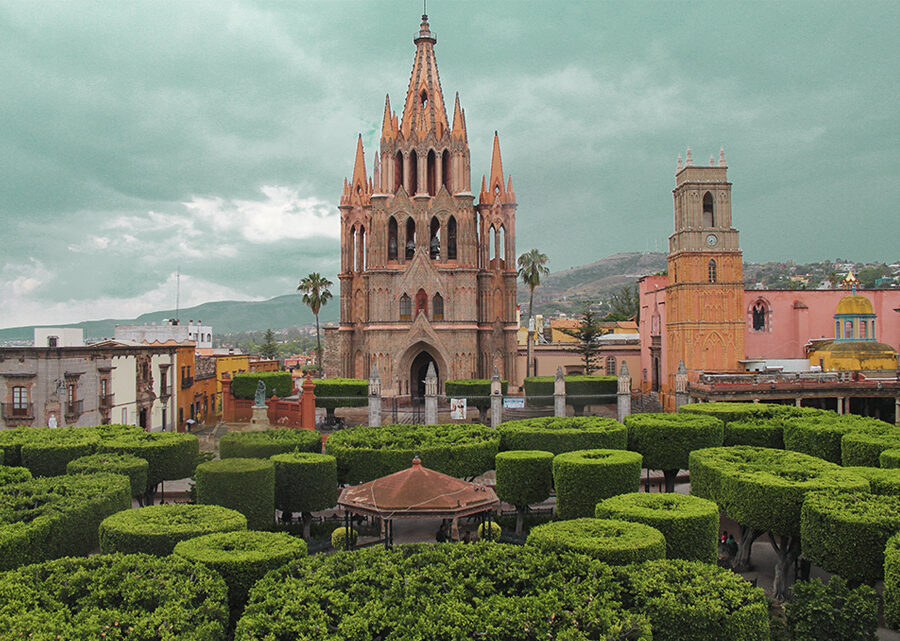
{"x": 138, "y": 138}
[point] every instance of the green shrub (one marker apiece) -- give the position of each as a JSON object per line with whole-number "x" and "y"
{"x": 581, "y": 390}
{"x": 892, "y": 583}
{"x": 9, "y": 475}
{"x": 846, "y": 532}
{"x": 156, "y": 529}
{"x": 889, "y": 458}
{"x": 729, "y": 412}
{"x": 332, "y": 393}
{"x": 131, "y": 466}
{"x": 476, "y": 391}
{"x": 242, "y": 558}
{"x": 367, "y": 453}
{"x": 758, "y": 432}
{"x": 881, "y": 481}
{"x": 523, "y": 477}
{"x": 764, "y": 488}
{"x": 49, "y": 457}
{"x": 339, "y": 537}
{"x": 170, "y": 455}
{"x": 559, "y": 435}
{"x": 609, "y": 540}
{"x": 584, "y": 478}
{"x": 832, "y": 612}
{"x": 243, "y": 484}
{"x": 56, "y": 516}
{"x": 266, "y": 443}
{"x": 489, "y": 531}
{"x": 864, "y": 449}
{"x": 689, "y": 524}
{"x": 693, "y": 601}
{"x": 820, "y": 435}
{"x": 1, "y": 457}
{"x": 114, "y": 596}
{"x": 305, "y": 482}
{"x": 12, "y": 440}
{"x": 278, "y": 384}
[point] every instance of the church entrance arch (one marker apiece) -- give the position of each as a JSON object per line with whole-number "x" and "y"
{"x": 418, "y": 372}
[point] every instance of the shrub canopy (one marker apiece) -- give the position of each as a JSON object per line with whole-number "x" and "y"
{"x": 881, "y": 481}
{"x": 820, "y": 435}
{"x": 580, "y": 390}
{"x": 131, "y": 466}
{"x": 476, "y": 391}
{"x": 892, "y": 582}
{"x": 266, "y": 443}
{"x": 367, "y": 453}
{"x": 583, "y": 478}
{"x": 666, "y": 440}
{"x": 51, "y": 449}
{"x": 563, "y": 434}
{"x": 341, "y": 392}
{"x": 170, "y": 455}
{"x": 278, "y": 384}
{"x": 832, "y": 612}
{"x": 889, "y": 458}
{"x": 524, "y": 476}
{"x": 865, "y": 448}
{"x": 14, "y": 474}
{"x": 243, "y": 484}
{"x": 728, "y": 412}
{"x": 758, "y": 432}
{"x": 609, "y": 540}
{"x": 305, "y": 482}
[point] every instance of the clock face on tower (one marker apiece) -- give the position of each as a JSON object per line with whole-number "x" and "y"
{"x": 712, "y": 240}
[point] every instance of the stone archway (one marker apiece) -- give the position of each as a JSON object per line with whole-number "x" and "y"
{"x": 418, "y": 371}
{"x": 417, "y": 355}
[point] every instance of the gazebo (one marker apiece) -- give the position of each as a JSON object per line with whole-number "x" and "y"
{"x": 414, "y": 493}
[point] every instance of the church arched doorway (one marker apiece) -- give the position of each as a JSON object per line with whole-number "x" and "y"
{"x": 418, "y": 372}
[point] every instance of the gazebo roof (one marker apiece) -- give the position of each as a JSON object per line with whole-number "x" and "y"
{"x": 418, "y": 492}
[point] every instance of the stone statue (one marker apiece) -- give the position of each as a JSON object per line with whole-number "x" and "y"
{"x": 259, "y": 399}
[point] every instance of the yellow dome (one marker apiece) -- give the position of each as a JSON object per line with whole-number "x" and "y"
{"x": 855, "y": 304}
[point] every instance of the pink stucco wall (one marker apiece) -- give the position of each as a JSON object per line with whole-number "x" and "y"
{"x": 653, "y": 322}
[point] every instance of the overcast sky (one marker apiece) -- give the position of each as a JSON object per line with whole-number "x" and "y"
{"x": 137, "y": 138}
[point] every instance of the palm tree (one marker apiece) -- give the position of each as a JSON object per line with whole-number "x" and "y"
{"x": 316, "y": 295}
{"x": 531, "y": 268}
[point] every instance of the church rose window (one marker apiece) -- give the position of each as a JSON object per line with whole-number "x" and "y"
{"x": 437, "y": 308}
{"x": 712, "y": 271}
{"x": 405, "y": 308}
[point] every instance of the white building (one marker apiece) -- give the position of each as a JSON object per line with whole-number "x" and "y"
{"x": 170, "y": 331}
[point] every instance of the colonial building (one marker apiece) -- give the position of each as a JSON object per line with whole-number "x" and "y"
{"x": 428, "y": 276}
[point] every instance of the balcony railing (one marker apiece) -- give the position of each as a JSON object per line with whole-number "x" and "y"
{"x": 106, "y": 402}
{"x": 75, "y": 408}
{"x": 186, "y": 382}
{"x": 18, "y": 412}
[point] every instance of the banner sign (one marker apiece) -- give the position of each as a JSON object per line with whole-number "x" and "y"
{"x": 458, "y": 409}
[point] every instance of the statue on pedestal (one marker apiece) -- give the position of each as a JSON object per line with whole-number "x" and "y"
{"x": 259, "y": 399}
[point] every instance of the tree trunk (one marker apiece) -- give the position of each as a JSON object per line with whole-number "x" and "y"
{"x": 747, "y": 536}
{"x": 670, "y": 476}
{"x": 318, "y": 349}
{"x": 520, "y": 519}
{"x": 787, "y": 552}
{"x": 528, "y": 329}
{"x": 307, "y": 522}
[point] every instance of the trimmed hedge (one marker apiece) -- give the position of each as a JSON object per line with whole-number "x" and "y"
{"x": 892, "y": 582}
{"x": 846, "y": 532}
{"x": 243, "y": 484}
{"x": 9, "y": 475}
{"x": 832, "y": 612}
{"x": 278, "y": 384}
{"x": 170, "y": 455}
{"x": 241, "y": 558}
{"x": 339, "y": 537}
{"x": 156, "y": 529}
{"x": 881, "y": 481}
{"x": 558, "y": 434}
{"x": 609, "y": 540}
{"x": 583, "y": 478}
{"x": 889, "y": 458}
{"x": 367, "y": 453}
{"x": 131, "y": 466}
{"x": 693, "y": 601}
{"x": 47, "y": 518}
{"x": 305, "y": 482}
{"x": 821, "y": 435}
{"x": 581, "y": 390}
{"x": 332, "y": 393}
{"x": 758, "y": 432}
{"x": 666, "y": 440}
{"x": 12, "y": 440}
{"x": 267, "y": 443}
{"x": 476, "y": 391}
{"x": 114, "y": 596}
{"x": 729, "y": 412}
{"x": 524, "y": 476}
{"x": 689, "y": 524}
{"x": 50, "y": 456}
{"x": 765, "y": 488}
{"x": 864, "y": 449}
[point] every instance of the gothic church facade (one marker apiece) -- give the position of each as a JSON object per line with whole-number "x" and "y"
{"x": 428, "y": 275}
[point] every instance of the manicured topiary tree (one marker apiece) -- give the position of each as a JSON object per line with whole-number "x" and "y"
{"x": 243, "y": 484}
{"x": 367, "y": 453}
{"x": 892, "y": 582}
{"x": 156, "y": 529}
{"x": 523, "y": 477}
{"x": 343, "y": 538}
{"x": 881, "y": 481}
{"x": 242, "y": 558}
{"x": 266, "y": 443}
{"x": 609, "y": 540}
{"x": 820, "y": 435}
{"x": 583, "y": 478}
{"x": 114, "y": 596}
{"x": 12, "y": 441}
{"x": 581, "y": 390}
{"x": 9, "y": 475}
{"x": 832, "y": 611}
{"x": 762, "y": 490}
{"x": 864, "y": 448}
{"x": 131, "y": 466}
{"x": 666, "y": 440}
{"x": 489, "y": 531}
{"x": 758, "y": 432}
{"x": 563, "y": 434}
{"x": 689, "y": 600}
{"x": 170, "y": 455}
{"x": 306, "y": 483}
{"x": 476, "y": 391}
{"x": 332, "y": 393}
{"x": 49, "y": 457}
{"x": 279, "y": 384}
{"x": 729, "y": 412}
{"x": 889, "y": 458}
{"x": 688, "y": 523}
{"x": 846, "y": 532}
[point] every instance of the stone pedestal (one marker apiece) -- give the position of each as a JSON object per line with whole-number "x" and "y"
{"x": 496, "y": 399}
{"x": 559, "y": 393}
{"x": 623, "y": 397}
{"x": 260, "y": 418}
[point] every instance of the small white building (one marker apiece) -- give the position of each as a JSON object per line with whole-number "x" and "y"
{"x": 172, "y": 330}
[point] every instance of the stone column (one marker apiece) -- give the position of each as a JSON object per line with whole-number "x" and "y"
{"x": 374, "y": 397}
{"x": 496, "y": 399}
{"x": 681, "y": 379}
{"x": 623, "y": 398}
{"x": 797, "y": 402}
{"x": 840, "y": 404}
{"x": 431, "y": 396}
{"x": 559, "y": 393}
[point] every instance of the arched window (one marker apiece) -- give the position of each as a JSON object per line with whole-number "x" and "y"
{"x": 759, "y": 317}
{"x": 431, "y": 173}
{"x": 437, "y": 308}
{"x": 405, "y": 308}
{"x": 712, "y": 271}
{"x": 352, "y": 262}
{"x": 362, "y": 250}
{"x": 451, "y": 238}
{"x": 423, "y": 99}
{"x": 392, "y": 238}
{"x": 434, "y": 239}
{"x": 445, "y": 170}
{"x": 501, "y": 253}
{"x": 410, "y": 238}
{"x": 709, "y": 218}
{"x": 398, "y": 171}
{"x": 848, "y": 330}
{"x": 413, "y": 187}
{"x": 491, "y": 243}
{"x": 610, "y": 365}
{"x": 863, "y": 329}
{"x": 421, "y": 302}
